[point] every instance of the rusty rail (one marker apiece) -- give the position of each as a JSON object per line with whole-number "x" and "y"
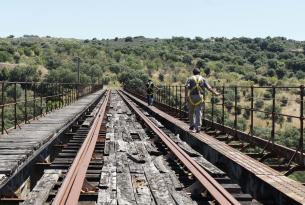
{"x": 221, "y": 195}
{"x": 72, "y": 185}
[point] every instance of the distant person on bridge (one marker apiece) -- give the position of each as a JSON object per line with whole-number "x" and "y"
{"x": 193, "y": 92}
{"x": 150, "y": 92}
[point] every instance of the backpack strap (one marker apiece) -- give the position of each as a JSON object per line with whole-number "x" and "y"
{"x": 149, "y": 88}
{"x": 198, "y": 87}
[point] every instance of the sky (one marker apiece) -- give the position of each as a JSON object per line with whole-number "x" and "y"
{"x": 86, "y": 19}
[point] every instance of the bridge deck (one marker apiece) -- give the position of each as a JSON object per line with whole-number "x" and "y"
{"x": 260, "y": 171}
{"x": 17, "y": 146}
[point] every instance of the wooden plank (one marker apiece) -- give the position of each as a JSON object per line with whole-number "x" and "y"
{"x": 158, "y": 162}
{"x": 106, "y": 197}
{"x": 152, "y": 149}
{"x": 141, "y": 190}
{"x": 125, "y": 193}
{"x": 208, "y": 166}
{"x": 3, "y": 177}
{"x": 172, "y": 180}
{"x": 43, "y": 188}
{"x": 157, "y": 185}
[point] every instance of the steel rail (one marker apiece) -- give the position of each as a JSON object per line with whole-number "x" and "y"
{"x": 71, "y": 187}
{"x": 221, "y": 195}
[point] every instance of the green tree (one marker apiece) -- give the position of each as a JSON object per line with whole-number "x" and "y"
{"x": 128, "y": 39}
{"x": 5, "y": 56}
{"x": 207, "y": 71}
{"x": 187, "y": 59}
{"x": 133, "y": 79}
{"x": 281, "y": 72}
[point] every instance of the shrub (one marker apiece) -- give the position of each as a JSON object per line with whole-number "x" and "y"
{"x": 5, "y": 56}
{"x": 128, "y": 39}
{"x": 259, "y": 104}
{"x": 284, "y": 101}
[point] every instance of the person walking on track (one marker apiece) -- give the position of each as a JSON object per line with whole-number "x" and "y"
{"x": 193, "y": 92}
{"x": 150, "y": 92}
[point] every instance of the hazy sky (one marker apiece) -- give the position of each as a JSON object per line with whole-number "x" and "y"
{"x": 153, "y": 18}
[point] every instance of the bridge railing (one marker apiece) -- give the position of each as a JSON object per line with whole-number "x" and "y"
{"x": 275, "y": 114}
{"x": 21, "y": 102}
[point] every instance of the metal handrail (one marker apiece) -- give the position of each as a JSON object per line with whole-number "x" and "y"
{"x": 36, "y": 99}
{"x": 174, "y": 96}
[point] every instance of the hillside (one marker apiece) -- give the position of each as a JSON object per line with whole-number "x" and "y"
{"x": 269, "y": 61}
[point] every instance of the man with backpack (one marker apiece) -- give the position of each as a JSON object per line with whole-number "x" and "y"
{"x": 193, "y": 93}
{"x": 150, "y": 92}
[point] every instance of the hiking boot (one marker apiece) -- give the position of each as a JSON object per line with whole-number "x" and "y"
{"x": 197, "y": 130}
{"x": 191, "y": 127}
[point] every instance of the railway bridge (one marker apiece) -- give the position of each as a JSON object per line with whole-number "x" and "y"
{"x": 85, "y": 144}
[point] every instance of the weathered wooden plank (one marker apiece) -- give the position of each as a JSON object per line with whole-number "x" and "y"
{"x": 181, "y": 198}
{"x": 3, "y": 177}
{"x": 141, "y": 190}
{"x": 43, "y": 188}
{"x": 135, "y": 167}
{"x": 158, "y": 186}
{"x": 7, "y": 167}
{"x": 106, "y": 148}
{"x": 158, "y": 162}
{"x": 105, "y": 197}
{"x": 125, "y": 193}
{"x": 172, "y": 180}
{"x": 208, "y": 166}
{"x": 4, "y": 152}
{"x": 152, "y": 149}
{"x": 121, "y": 146}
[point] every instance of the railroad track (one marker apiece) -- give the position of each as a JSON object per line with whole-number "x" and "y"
{"x": 123, "y": 153}
{"x": 74, "y": 164}
{"x": 204, "y": 180}
{"x": 74, "y": 173}
{"x": 251, "y": 175}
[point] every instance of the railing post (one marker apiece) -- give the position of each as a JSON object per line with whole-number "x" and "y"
{"x": 252, "y": 111}
{"x": 301, "y": 145}
{"x": 180, "y": 102}
{"x": 161, "y": 94}
{"x": 235, "y": 110}
{"x": 273, "y": 115}
{"x": 41, "y": 99}
{"x": 15, "y": 105}
{"x": 212, "y": 110}
{"x": 167, "y": 95}
{"x": 223, "y": 106}
{"x": 170, "y": 95}
{"x": 176, "y": 101}
{"x": 55, "y": 96}
{"x": 163, "y": 97}
{"x": 58, "y": 96}
{"x": 158, "y": 95}
{"x": 34, "y": 105}
{"x": 204, "y": 104}
{"x": 2, "y": 108}
{"x": 62, "y": 95}
{"x": 25, "y": 104}
{"x": 77, "y": 92}
{"x": 52, "y": 94}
